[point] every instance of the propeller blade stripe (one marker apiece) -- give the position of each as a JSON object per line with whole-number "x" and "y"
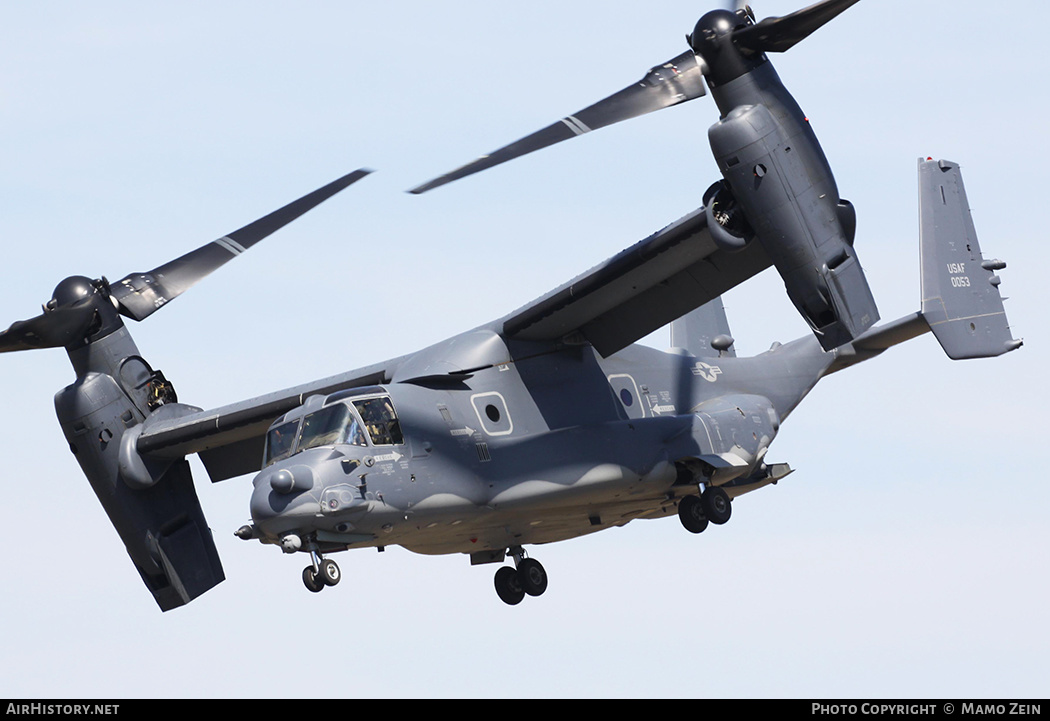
{"x": 575, "y": 125}
{"x": 676, "y": 81}
{"x": 231, "y": 245}
{"x": 140, "y": 294}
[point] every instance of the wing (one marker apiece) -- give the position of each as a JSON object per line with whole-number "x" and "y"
{"x": 643, "y": 288}
{"x": 648, "y": 285}
{"x": 229, "y": 440}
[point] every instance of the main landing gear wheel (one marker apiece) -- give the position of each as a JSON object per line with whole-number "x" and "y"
{"x": 716, "y": 505}
{"x": 532, "y": 576}
{"x": 527, "y": 577}
{"x": 508, "y": 586}
{"x": 691, "y": 514}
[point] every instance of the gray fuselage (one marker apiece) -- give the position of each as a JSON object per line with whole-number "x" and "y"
{"x": 534, "y": 445}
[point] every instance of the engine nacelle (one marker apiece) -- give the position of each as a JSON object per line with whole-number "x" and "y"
{"x": 794, "y": 210}
{"x": 151, "y": 502}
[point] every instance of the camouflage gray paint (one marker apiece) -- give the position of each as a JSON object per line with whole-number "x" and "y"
{"x": 519, "y": 443}
{"x": 549, "y": 423}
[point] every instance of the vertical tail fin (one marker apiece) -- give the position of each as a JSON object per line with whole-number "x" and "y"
{"x": 704, "y": 332}
{"x": 960, "y": 289}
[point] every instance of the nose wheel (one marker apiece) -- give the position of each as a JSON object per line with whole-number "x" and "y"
{"x": 322, "y": 572}
{"x": 527, "y": 578}
{"x": 312, "y": 580}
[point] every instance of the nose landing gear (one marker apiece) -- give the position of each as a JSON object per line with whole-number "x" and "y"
{"x": 528, "y": 577}
{"x": 322, "y": 572}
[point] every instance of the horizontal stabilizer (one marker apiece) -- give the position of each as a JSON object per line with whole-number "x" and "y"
{"x": 960, "y": 289}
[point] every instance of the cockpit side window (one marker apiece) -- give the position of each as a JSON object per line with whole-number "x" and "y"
{"x": 381, "y": 421}
{"x": 280, "y": 441}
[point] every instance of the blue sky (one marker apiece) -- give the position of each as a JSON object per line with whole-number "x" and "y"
{"x": 908, "y": 554}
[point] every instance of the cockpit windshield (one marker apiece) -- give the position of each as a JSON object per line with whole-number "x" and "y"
{"x": 336, "y": 424}
{"x": 329, "y": 426}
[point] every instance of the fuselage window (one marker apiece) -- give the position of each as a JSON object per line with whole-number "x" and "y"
{"x": 493, "y": 414}
{"x": 380, "y": 421}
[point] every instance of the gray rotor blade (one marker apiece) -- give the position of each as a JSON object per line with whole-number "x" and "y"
{"x": 53, "y": 329}
{"x": 140, "y": 294}
{"x": 673, "y": 82}
{"x": 779, "y": 34}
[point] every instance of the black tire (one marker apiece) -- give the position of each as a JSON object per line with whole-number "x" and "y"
{"x": 329, "y": 572}
{"x": 508, "y": 586}
{"x": 532, "y": 576}
{"x": 312, "y": 580}
{"x": 691, "y": 514}
{"x": 717, "y": 506}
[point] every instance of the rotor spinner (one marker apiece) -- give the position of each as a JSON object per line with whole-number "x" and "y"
{"x": 712, "y": 40}
{"x": 70, "y": 290}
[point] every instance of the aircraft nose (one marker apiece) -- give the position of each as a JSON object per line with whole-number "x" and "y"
{"x": 287, "y": 481}
{"x": 282, "y": 492}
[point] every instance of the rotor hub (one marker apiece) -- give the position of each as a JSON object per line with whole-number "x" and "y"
{"x": 713, "y": 40}
{"x": 70, "y": 290}
{"x": 714, "y": 29}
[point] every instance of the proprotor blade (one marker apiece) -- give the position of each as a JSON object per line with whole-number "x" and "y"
{"x": 676, "y": 81}
{"x": 53, "y": 329}
{"x": 777, "y": 35}
{"x": 140, "y": 294}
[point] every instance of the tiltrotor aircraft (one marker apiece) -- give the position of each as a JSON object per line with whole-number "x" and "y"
{"x": 548, "y": 423}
